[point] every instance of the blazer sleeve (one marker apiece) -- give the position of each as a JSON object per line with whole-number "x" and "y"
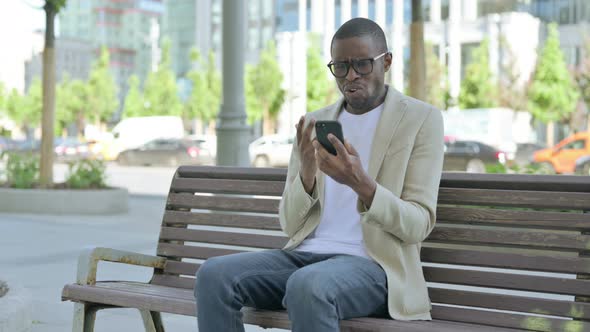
{"x": 295, "y": 203}
{"x": 412, "y": 216}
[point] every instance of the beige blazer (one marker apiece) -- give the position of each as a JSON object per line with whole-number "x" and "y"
{"x": 406, "y": 162}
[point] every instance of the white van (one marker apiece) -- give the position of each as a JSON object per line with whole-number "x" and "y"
{"x": 132, "y": 132}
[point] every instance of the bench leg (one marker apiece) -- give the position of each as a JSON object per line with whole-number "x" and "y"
{"x": 84, "y": 317}
{"x": 152, "y": 321}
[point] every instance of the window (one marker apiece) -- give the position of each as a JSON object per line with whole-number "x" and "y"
{"x": 575, "y": 145}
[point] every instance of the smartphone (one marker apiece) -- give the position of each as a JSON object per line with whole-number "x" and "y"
{"x": 323, "y": 128}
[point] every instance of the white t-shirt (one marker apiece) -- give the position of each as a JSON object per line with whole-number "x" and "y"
{"x": 339, "y": 231}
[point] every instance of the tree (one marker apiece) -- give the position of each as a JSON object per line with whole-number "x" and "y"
{"x": 102, "y": 90}
{"x": 321, "y": 90}
{"x": 72, "y": 105}
{"x": 437, "y": 84}
{"x": 26, "y": 110}
{"x": 552, "y": 94}
{"x": 160, "y": 91}
{"x": 511, "y": 92}
{"x": 417, "y": 57}
{"x": 478, "y": 89}
{"x": 51, "y": 7}
{"x": 265, "y": 79}
{"x": 134, "y": 104}
{"x": 204, "y": 100}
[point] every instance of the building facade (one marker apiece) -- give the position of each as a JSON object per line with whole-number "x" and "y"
{"x": 129, "y": 29}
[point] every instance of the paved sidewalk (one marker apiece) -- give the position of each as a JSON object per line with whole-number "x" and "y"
{"x": 40, "y": 253}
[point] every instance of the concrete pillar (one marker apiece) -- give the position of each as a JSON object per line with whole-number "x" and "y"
{"x": 435, "y": 12}
{"x": 469, "y": 10}
{"x": 380, "y": 11}
{"x": 329, "y": 22}
{"x": 345, "y": 11}
{"x": 454, "y": 34}
{"x": 363, "y": 8}
{"x": 232, "y": 131}
{"x": 494, "y": 45}
{"x": 398, "y": 45}
{"x": 317, "y": 16}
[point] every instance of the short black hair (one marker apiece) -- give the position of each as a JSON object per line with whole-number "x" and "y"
{"x": 362, "y": 27}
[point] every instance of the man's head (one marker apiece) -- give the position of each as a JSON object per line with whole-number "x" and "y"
{"x": 359, "y": 62}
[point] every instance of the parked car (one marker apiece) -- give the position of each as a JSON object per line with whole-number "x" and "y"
{"x": 6, "y": 144}
{"x": 583, "y": 165}
{"x": 167, "y": 152}
{"x": 470, "y": 156}
{"x": 524, "y": 153}
{"x": 562, "y": 157}
{"x": 271, "y": 151}
{"x": 70, "y": 149}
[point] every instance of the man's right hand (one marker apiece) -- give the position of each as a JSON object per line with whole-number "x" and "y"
{"x": 308, "y": 167}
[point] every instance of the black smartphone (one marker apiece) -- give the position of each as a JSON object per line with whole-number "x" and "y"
{"x": 323, "y": 128}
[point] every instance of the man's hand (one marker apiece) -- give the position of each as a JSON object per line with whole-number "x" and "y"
{"x": 346, "y": 168}
{"x": 308, "y": 167}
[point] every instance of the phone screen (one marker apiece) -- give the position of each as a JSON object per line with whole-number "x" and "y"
{"x": 323, "y": 128}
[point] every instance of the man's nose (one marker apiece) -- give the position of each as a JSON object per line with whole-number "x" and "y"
{"x": 352, "y": 74}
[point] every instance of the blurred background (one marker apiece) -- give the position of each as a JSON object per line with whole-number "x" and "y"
{"x": 138, "y": 82}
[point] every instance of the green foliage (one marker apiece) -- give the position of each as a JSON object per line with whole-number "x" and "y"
{"x": 582, "y": 75}
{"x": 102, "y": 90}
{"x": 56, "y": 5}
{"x": 86, "y": 174}
{"x": 437, "y": 83}
{"x": 71, "y": 104}
{"x": 478, "y": 89}
{"x": 160, "y": 91}
{"x": 552, "y": 95}
{"x": 321, "y": 89}
{"x": 205, "y": 97}
{"x": 265, "y": 92}
{"x": 133, "y": 105}
{"x": 538, "y": 169}
{"x": 26, "y": 110}
{"x": 22, "y": 170}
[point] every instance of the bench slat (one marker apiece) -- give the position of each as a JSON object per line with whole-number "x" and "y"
{"x": 531, "y": 262}
{"x": 222, "y": 220}
{"x": 534, "y": 219}
{"x": 507, "y": 237}
{"x": 224, "y": 203}
{"x": 567, "y": 183}
{"x": 508, "y": 320}
{"x": 510, "y": 281}
{"x": 224, "y": 186}
{"x": 510, "y": 303}
{"x": 196, "y": 252}
{"x": 236, "y": 239}
{"x": 231, "y": 172}
{"x": 530, "y": 199}
{"x": 173, "y": 281}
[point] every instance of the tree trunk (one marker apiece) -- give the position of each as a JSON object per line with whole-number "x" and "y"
{"x": 417, "y": 61}
{"x": 48, "y": 116}
{"x": 268, "y": 125}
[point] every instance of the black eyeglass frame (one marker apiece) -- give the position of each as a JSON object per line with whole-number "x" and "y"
{"x": 354, "y": 65}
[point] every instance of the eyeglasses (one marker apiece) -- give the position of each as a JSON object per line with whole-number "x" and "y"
{"x": 363, "y": 66}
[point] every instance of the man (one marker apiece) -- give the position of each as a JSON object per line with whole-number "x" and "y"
{"x": 355, "y": 220}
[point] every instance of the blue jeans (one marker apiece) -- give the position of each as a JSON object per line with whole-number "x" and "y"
{"x": 317, "y": 290}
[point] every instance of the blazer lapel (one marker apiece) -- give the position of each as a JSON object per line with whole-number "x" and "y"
{"x": 393, "y": 111}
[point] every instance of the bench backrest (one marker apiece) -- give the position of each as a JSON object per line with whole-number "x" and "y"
{"x": 508, "y": 250}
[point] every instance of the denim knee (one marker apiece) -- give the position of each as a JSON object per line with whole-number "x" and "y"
{"x": 212, "y": 276}
{"x": 306, "y": 290}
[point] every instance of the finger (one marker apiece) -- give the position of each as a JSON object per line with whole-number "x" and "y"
{"x": 299, "y": 127}
{"x": 340, "y": 149}
{"x": 350, "y": 148}
{"x": 308, "y": 129}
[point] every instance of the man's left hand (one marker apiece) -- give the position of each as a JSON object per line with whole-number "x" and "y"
{"x": 346, "y": 168}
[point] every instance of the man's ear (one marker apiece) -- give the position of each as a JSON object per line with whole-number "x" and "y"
{"x": 387, "y": 61}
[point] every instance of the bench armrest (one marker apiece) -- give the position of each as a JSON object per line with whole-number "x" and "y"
{"x": 88, "y": 262}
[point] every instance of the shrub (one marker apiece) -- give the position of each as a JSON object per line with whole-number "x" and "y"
{"x": 22, "y": 170}
{"x": 85, "y": 174}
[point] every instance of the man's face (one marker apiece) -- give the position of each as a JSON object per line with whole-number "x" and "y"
{"x": 361, "y": 91}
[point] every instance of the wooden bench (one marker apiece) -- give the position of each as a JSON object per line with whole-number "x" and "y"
{"x": 509, "y": 252}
